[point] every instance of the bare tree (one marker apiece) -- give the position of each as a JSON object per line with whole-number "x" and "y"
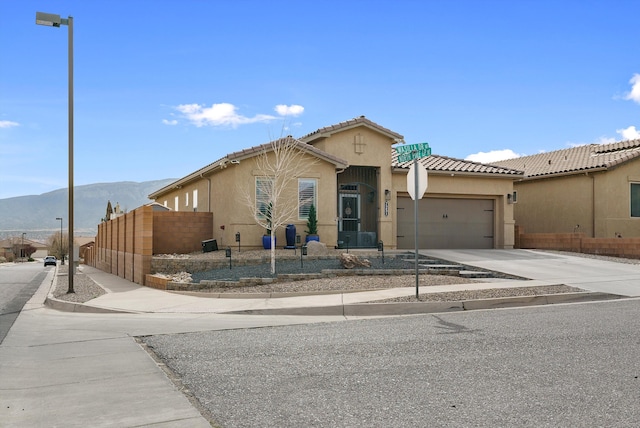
{"x": 275, "y": 201}
{"x": 58, "y": 244}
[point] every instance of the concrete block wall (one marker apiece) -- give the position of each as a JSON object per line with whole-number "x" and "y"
{"x": 579, "y": 243}
{"x": 125, "y": 245}
{"x": 181, "y": 232}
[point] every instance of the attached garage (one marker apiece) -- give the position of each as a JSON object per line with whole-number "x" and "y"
{"x": 446, "y": 223}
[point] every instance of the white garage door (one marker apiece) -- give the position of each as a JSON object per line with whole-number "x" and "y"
{"x": 446, "y": 223}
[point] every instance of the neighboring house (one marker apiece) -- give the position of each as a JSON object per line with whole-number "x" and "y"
{"x": 83, "y": 243}
{"x": 361, "y": 194}
{"x": 7, "y": 245}
{"x": 594, "y": 189}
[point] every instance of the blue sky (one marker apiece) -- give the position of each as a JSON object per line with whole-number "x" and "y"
{"x": 163, "y": 88}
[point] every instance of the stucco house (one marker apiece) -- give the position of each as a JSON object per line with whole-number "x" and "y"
{"x": 360, "y": 193}
{"x": 593, "y": 189}
{"x": 8, "y": 245}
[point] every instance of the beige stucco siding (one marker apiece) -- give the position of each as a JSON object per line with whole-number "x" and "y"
{"x": 231, "y": 213}
{"x": 555, "y": 205}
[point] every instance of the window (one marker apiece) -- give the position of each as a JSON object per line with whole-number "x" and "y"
{"x": 635, "y": 199}
{"x": 263, "y": 195}
{"x": 176, "y": 203}
{"x": 306, "y": 197}
{"x": 186, "y": 199}
{"x": 195, "y": 199}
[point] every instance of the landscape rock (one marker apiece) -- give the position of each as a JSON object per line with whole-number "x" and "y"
{"x": 350, "y": 261}
{"x": 315, "y": 248}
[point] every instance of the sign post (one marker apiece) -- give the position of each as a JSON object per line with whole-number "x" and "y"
{"x": 420, "y": 183}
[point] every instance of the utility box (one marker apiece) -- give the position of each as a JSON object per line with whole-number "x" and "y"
{"x": 209, "y": 245}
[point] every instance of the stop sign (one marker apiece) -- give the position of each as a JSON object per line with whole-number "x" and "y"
{"x": 422, "y": 181}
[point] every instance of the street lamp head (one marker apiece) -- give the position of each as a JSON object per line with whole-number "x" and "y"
{"x": 48, "y": 19}
{"x": 58, "y": 218}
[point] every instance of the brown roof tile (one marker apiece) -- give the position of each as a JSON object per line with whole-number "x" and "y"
{"x": 453, "y": 165}
{"x": 248, "y": 153}
{"x": 576, "y": 159}
{"x": 328, "y": 130}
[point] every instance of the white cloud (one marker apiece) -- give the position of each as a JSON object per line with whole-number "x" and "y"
{"x": 223, "y": 114}
{"x": 292, "y": 110}
{"x": 634, "y": 95}
{"x": 630, "y": 133}
{"x": 170, "y": 122}
{"x": 8, "y": 124}
{"x": 492, "y": 156}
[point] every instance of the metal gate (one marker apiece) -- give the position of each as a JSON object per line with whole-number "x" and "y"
{"x": 358, "y": 207}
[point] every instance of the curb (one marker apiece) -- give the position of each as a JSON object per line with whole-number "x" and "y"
{"x": 63, "y": 305}
{"x": 413, "y": 308}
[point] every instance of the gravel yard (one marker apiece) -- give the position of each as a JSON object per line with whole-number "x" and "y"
{"x": 86, "y": 289}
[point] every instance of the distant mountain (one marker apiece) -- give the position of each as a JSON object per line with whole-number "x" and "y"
{"x": 36, "y": 214}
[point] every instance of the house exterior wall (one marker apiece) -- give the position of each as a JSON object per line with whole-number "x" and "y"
{"x": 465, "y": 187}
{"x": 227, "y": 201}
{"x": 599, "y": 202}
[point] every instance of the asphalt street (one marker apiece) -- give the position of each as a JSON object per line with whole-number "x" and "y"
{"x": 565, "y": 365}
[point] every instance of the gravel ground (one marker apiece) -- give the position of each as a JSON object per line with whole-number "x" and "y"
{"x": 86, "y": 289}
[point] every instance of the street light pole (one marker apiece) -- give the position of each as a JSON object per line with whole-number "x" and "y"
{"x": 22, "y": 250}
{"x": 52, "y": 20}
{"x": 60, "y": 241}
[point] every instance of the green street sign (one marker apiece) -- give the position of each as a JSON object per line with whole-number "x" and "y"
{"x": 413, "y": 151}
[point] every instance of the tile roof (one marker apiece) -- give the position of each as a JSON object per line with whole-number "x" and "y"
{"x": 253, "y": 151}
{"x": 328, "y": 130}
{"x": 245, "y": 154}
{"x": 453, "y": 165}
{"x": 575, "y": 160}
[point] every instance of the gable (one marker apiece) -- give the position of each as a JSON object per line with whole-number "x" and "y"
{"x": 361, "y": 121}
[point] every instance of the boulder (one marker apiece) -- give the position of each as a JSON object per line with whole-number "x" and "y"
{"x": 315, "y": 248}
{"x": 350, "y": 261}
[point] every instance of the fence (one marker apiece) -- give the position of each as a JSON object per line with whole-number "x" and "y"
{"x": 579, "y": 243}
{"x": 125, "y": 245}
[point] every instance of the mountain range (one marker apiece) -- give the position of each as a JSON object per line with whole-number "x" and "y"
{"x": 36, "y": 214}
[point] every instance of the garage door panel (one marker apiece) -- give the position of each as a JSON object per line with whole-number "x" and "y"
{"x": 446, "y": 223}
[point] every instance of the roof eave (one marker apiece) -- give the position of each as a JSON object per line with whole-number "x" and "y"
{"x": 398, "y": 170}
{"x": 219, "y": 164}
{"x": 585, "y": 171}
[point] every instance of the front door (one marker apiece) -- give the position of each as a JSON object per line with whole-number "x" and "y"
{"x": 349, "y": 213}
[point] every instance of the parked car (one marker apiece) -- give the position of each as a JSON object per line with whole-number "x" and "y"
{"x": 50, "y": 260}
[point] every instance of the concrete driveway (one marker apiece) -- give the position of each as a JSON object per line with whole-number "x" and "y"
{"x": 583, "y": 272}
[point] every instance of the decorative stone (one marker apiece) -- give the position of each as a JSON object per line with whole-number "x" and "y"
{"x": 350, "y": 261}
{"x": 315, "y": 248}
